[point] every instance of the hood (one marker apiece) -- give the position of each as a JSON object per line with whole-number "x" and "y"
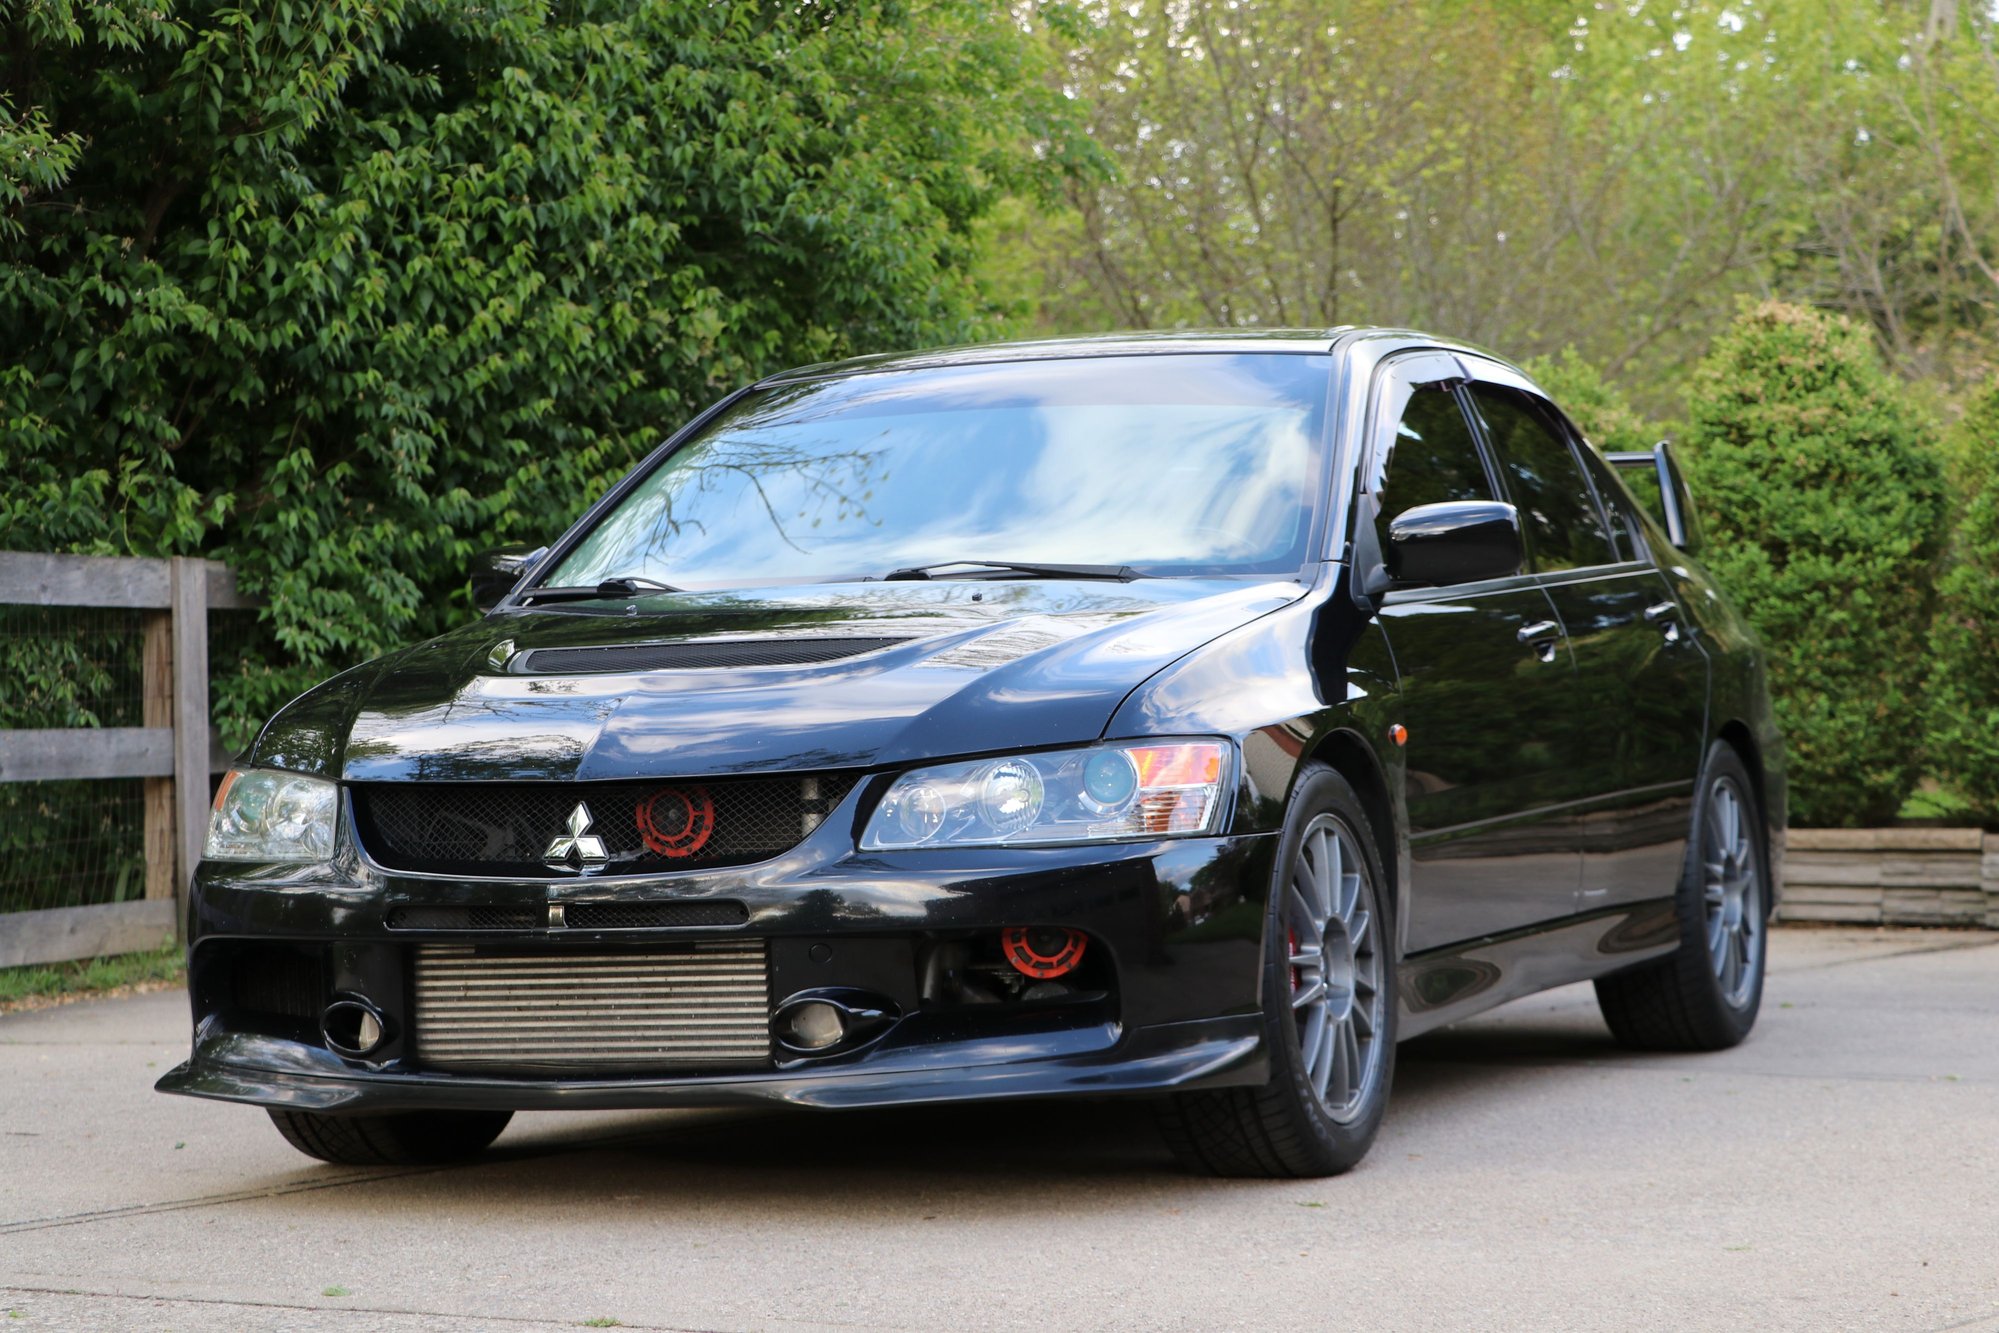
{"x": 974, "y": 666}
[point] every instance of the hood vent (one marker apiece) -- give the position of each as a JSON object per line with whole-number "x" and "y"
{"x": 698, "y": 655}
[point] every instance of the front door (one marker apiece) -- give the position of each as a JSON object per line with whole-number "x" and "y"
{"x": 1485, "y": 686}
{"x": 1639, "y": 718}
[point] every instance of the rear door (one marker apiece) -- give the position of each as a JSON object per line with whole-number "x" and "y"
{"x": 1486, "y": 684}
{"x": 1633, "y": 746}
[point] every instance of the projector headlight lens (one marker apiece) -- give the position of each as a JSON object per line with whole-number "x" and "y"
{"x": 1110, "y": 782}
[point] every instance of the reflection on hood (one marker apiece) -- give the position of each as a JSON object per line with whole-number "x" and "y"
{"x": 969, "y": 667}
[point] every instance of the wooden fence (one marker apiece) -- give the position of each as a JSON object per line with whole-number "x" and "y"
{"x": 1893, "y": 876}
{"x": 175, "y": 751}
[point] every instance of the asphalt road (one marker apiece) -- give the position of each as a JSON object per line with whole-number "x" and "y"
{"x": 1839, "y": 1170}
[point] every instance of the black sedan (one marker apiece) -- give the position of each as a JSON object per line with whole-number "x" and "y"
{"x": 1194, "y": 716}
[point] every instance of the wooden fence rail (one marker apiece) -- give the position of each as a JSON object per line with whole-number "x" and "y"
{"x": 175, "y": 750}
{"x": 1893, "y": 876}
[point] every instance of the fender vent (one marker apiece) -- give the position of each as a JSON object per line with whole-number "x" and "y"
{"x": 707, "y": 655}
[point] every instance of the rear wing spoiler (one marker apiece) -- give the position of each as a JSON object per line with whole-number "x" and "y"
{"x": 1655, "y": 477}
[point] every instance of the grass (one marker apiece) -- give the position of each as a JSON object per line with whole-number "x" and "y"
{"x": 59, "y": 981}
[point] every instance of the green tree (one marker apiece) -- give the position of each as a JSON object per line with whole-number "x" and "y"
{"x": 342, "y": 292}
{"x": 1964, "y": 684}
{"x": 1824, "y": 510}
{"x": 1593, "y": 403}
{"x": 1533, "y": 175}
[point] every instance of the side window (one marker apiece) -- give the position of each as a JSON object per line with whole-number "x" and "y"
{"x": 1563, "y": 528}
{"x": 1625, "y": 531}
{"x": 1434, "y": 458}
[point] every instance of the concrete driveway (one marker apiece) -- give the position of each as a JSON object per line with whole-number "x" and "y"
{"x": 1840, "y": 1170}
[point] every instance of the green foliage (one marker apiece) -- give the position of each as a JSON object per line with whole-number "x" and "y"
{"x": 1532, "y": 175}
{"x": 1595, "y": 404}
{"x": 1824, "y": 510}
{"x": 344, "y": 292}
{"x": 1964, "y": 682}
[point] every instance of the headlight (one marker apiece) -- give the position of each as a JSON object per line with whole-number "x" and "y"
{"x": 1133, "y": 789}
{"x": 264, "y": 815}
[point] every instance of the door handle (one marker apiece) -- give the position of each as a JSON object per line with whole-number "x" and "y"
{"x": 1667, "y": 616}
{"x": 1543, "y": 636}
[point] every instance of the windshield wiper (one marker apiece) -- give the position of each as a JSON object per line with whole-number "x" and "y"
{"x": 623, "y": 586}
{"x": 1121, "y": 573}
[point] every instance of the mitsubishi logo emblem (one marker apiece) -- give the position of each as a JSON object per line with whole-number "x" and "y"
{"x": 585, "y": 846}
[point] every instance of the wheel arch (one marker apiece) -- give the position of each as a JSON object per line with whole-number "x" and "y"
{"x": 1344, "y": 752}
{"x": 1739, "y": 736}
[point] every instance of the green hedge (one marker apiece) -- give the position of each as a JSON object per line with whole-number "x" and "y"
{"x": 342, "y": 292}
{"x": 1964, "y": 681}
{"x": 1824, "y": 512}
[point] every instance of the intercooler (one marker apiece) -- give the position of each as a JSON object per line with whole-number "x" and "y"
{"x": 686, "y": 1007}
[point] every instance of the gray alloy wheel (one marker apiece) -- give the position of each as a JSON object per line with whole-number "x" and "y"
{"x": 1732, "y": 893}
{"x": 1336, "y": 990}
{"x": 1328, "y": 1007}
{"x": 1705, "y": 996}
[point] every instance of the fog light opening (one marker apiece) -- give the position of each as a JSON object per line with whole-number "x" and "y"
{"x": 1043, "y": 952}
{"x": 814, "y": 1026}
{"x": 352, "y": 1027}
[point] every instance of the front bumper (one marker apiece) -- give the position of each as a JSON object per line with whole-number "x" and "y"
{"x": 1205, "y": 1053}
{"x": 1176, "y": 926}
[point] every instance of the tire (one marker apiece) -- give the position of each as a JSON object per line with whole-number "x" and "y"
{"x": 1292, "y": 1125}
{"x": 403, "y": 1138}
{"x": 1704, "y": 996}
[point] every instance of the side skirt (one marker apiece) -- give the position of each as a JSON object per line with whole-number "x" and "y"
{"x": 1441, "y": 986}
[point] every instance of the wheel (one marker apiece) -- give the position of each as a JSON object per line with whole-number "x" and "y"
{"x": 1704, "y": 997}
{"x": 1328, "y": 1008}
{"x": 402, "y": 1138}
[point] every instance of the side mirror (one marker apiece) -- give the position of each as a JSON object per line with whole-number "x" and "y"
{"x": 1460, "y": 541}
{"x": 1657, "y": 468}
{"x": 494, "y": 573}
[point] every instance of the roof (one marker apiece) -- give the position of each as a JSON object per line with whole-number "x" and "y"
{"x": 1104, "y": 344}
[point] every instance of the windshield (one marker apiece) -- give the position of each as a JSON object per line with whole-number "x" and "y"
{"x": 1171, "y": 464}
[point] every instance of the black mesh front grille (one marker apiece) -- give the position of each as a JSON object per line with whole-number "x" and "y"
{"x": 577, "y": 916}
{"x": 504, "y": 828}
{"x": 467, "y": 918}
{"x": 699, "y": 656}
{"x": 287, "y": 983}
{"x": 653, "y": 916}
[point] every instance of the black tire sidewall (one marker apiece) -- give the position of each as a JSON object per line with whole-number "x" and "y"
{"x": 1323, "y": 791}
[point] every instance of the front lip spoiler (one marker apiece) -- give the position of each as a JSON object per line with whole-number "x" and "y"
{"x": 1212, "y": 1052}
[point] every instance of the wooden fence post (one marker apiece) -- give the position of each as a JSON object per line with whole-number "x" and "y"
{"x": 157, "y": 710}
{"x": 190, "y": 718}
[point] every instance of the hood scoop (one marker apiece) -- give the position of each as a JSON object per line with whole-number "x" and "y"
{"x": 697, "y": 655}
